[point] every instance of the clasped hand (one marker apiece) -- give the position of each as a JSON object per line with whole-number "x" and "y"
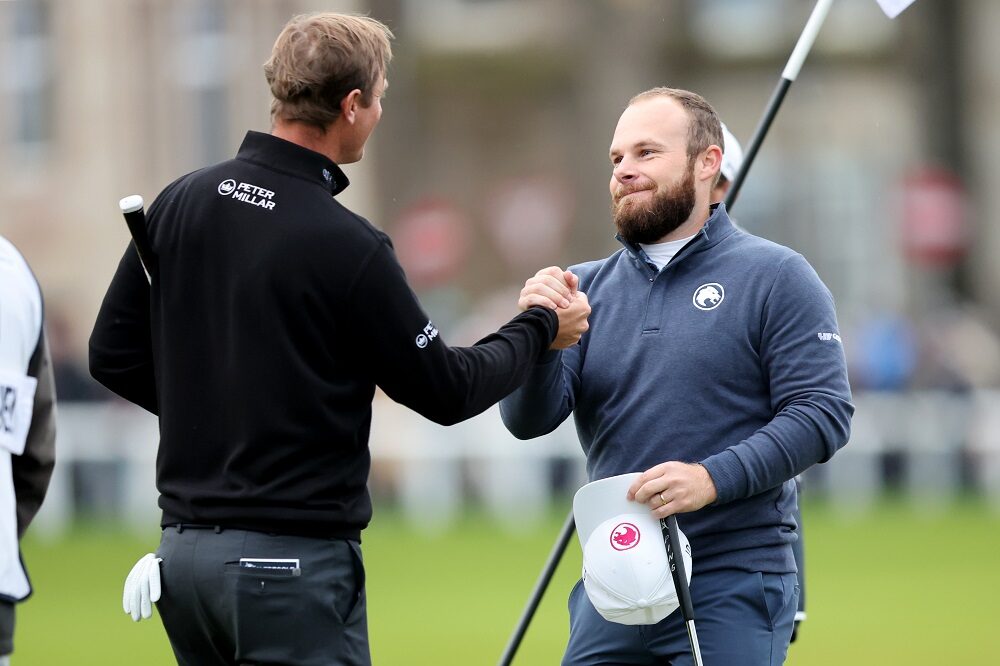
{"x": 556, "y": 289}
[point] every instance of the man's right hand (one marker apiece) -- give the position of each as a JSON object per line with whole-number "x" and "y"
{"x": 556, "y": 289}
{"x": 550, "y": 288}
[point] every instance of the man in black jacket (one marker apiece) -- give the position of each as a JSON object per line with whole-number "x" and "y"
{"x": 272, "y": 315}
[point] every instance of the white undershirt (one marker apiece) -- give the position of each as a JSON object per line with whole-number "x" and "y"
{"x": 661, "y": 253}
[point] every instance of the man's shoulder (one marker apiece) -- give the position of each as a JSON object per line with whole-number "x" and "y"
{"x": 760, "y": 248}
{"x": 747, "y": 252}
{"x": 312, "y": 203}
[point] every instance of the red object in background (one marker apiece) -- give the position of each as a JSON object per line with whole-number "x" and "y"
{"x": 528, "y": 219}
{"x": 933, "y": 220}
{"x": 431, "y": 239}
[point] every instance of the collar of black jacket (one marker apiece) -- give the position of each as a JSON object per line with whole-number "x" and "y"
{"x": 274, "y": 153}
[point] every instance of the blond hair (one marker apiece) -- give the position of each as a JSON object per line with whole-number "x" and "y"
{"x": 319, "y": 58}
{"x": 705, "y": 128}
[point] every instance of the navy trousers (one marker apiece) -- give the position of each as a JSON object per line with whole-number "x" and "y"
{"x": 742, "y": 619}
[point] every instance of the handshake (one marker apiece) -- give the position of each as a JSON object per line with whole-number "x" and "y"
{"x": 556, "y": 289}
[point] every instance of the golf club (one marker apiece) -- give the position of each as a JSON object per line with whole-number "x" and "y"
{"x": 135, "y": 217}
{"x": 675, "y": 558}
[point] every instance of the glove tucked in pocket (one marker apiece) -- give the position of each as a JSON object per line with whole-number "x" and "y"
{"x": 142, "y": 587}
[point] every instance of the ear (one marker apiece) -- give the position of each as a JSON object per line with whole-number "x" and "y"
{"x": 708, "y": 163}
{"x": 349, "y": 105}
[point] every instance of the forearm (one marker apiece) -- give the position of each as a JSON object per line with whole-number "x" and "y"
{"x": 541, "y": 403}
{"x": 804, "y": 433}
{"x": 461, "y": 382}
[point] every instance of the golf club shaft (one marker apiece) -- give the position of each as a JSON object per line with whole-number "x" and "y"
{"x": 536, "y": 595}
{"x": 695, "y": 646}
{"x": 675, "y": 559}
{"x": 791, "y": 71}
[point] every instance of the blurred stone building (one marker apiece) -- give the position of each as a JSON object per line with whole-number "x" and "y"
{"x": 491, "y": 160}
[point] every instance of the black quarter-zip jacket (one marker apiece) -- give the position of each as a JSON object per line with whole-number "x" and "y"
{"x": 273, "y": 314}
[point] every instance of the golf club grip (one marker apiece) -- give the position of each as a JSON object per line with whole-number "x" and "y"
{"x": 135, "y": 219}
{"x": 677, "y": 568}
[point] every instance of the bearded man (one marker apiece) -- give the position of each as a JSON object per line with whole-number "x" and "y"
{"x": 706, "y": 367}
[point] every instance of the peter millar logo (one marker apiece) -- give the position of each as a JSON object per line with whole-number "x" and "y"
{"x": 424, "y": 339}
{"x": 708, "y": 296}
{"x": 624, "y": 536}
{"x": 247, "y": 193}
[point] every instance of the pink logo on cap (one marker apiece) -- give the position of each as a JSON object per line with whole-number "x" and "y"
{"x": 624, "y": 536}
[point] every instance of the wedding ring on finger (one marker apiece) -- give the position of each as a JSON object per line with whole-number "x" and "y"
{"x": 664, "y": 502}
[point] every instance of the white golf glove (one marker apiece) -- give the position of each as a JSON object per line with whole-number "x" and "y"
{"x": 142, "y": 587}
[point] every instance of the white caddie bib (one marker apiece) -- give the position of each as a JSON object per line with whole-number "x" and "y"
{"x": 17, "y": 400}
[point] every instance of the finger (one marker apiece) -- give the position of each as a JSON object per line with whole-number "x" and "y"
{"x": 548, "y": 283}
{"x": 554, "y": 271}
{"x": 668, "y": 509}
{"x": 530, "y": 300}
{"x": 571, "y": 279}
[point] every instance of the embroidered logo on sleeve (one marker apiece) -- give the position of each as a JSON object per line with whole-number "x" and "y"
{"x": 429, "y": 334}
{"x": 826, "y": 337}
{"x": 247, "y": 193}
{"x": 708, "y": 296}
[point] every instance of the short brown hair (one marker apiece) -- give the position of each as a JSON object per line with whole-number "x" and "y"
{"x": 319, "y": 58}
{"x": 704, "y": 130}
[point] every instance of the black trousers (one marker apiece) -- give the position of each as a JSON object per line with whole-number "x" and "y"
{"x": 6, "y": 627}
{"x": 219, "y": 611}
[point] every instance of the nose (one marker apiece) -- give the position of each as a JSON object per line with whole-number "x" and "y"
{"x": 624, "y": 171}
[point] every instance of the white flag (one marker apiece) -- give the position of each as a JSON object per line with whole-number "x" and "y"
{"x": 892, "y": 8}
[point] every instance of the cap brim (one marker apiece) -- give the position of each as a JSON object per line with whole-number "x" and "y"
{"x": 603, "y": 499}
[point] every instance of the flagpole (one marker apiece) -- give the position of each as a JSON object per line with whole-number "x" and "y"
{"x": 799, "y": 53}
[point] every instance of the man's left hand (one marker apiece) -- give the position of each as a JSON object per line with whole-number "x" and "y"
{"x": 674, "y": 487}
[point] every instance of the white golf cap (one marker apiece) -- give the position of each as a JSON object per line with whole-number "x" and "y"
{"x": 732, "y": 155}
{"x": 625, "y": 569}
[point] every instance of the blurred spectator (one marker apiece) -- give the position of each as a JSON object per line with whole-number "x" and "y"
{"x": 883, "y": 353}
{"x": 959, "y": 350}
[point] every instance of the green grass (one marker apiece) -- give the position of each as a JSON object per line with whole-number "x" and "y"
{"x": 890, "y": 587}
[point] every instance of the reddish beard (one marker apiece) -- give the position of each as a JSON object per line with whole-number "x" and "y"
{"x": 667, "y": 209}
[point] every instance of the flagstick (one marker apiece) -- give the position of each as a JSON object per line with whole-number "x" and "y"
{"x": 802, "y": 48}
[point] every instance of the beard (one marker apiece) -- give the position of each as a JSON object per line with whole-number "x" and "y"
{"x": 666, "y": 211}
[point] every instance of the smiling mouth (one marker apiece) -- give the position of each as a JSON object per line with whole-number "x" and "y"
{"x": 621, "y": 197}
